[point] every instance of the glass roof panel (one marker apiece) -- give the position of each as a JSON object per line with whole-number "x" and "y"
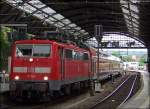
{"x": 72, "y": 25}
{"x": 134, "y": 20}
{"x": 135, "y": 25}
{"x": 52, "y": 19}
{"x": 58, "y": 16}
{"x": 125, "y": 10}
{"x": 66, "y": 28}
{"x": 37, "y": 3}
{"x": 34, "y": 1}
{"x": 28, "y": 8}
{"x": 66, "y": 21}
{"x": 82, "y": 31}
{"x": 41, "y": 16}
{"x": 130, "y": 29}
{"x": 126, "y": 17}
{"x": 128, "y": 21}
{"x": 78, "y": 28}
{"x": 59, "y": 23}
{"x": 125, "y": 5}
{"x": 71, "y": 32}
{"x": 123, "y": 1}
{"x": 136, "y": 32}
{"x": 12, "y": 2}
{"x": 136, "y": 29}
{"x": 134, "y": 8}
{"x": 49, "y": 10}
{"x": 86, "y": 33}
{"x": 135, "y": 15}
{"x": 48, "y": 20}
{"x": 44, "y": 14}
{"x": 76, "y": 33}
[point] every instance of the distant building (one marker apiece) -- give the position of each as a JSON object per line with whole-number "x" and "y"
{"x": 131, "y": 65}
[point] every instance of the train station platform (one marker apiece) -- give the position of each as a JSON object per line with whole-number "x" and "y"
{"x": 141, "y": 100}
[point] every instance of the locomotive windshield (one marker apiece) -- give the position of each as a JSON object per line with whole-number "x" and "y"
{"x": 33, "y": 50}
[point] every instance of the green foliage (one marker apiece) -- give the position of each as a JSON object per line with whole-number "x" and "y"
{"x": 127, "y": 58}
{"x": 124, "y": 58}
{"x": 142, "y": 60}
{"x": 117, "y": 54}
{"x": 4, "y": 48}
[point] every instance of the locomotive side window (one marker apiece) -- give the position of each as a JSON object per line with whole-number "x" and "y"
{"x": 85, "y": 56}
{"x": 36, "y": 50}
{"x": 68, "y": 54}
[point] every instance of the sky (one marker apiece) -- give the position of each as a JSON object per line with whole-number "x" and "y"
{"x": 124, "y": 52}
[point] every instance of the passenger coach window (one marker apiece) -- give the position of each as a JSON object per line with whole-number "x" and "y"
{"x": 85, "y": 56}
{"x": 68, "y": 54}
{"x": 36, "y": 50}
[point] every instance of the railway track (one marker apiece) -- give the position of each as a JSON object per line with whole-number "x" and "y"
{"x": 109, "y": 102}
{"x": 119, "y": 96}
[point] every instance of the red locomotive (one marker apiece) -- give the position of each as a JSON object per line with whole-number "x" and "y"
{"x": 47, "y": 66}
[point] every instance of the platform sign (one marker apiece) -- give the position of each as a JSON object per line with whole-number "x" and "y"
{"x": 98, "y": 30}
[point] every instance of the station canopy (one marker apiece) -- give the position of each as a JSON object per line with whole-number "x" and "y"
{"x": 79, "y": 17}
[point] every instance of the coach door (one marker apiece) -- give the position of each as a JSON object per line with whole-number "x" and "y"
{"x": 61, "y": 58}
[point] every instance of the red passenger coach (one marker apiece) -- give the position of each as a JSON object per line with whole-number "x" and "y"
{"x": 47, "y": 66}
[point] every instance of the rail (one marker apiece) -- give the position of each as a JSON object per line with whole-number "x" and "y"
{"x": 115, "y": 91}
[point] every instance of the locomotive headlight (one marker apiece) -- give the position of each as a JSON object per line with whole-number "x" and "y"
{"x": 16, "y": 77}
{"x": 31, "y": 60}
{"x": 45, "y": 78}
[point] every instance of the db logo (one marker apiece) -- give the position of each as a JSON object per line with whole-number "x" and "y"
{"x": 33, "y": 76}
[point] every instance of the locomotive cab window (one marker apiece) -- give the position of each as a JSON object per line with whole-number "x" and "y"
{"x": 77, "y": 55}
{"x": 85, "y": 56}
{"x": 33, "y": 50}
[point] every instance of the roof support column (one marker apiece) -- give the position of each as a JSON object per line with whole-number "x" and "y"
{"x": 98, "y": 35}
{"x": 1, "y": 45}
{"x": 148, "y": 60}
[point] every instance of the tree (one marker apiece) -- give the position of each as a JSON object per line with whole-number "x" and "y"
{"x": 142, "y": 60}
{"x": 114, "y": 53}
{"x": 4, "y": 49}
{"x": 127, "y": 58}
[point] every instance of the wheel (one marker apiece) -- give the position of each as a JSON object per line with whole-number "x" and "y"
{"x": 67, "y": 90}
{"x": 13, "y": 95}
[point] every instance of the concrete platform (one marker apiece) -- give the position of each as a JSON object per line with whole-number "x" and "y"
{"x": 4, "y": 87}
{"x": 142, "y": 99}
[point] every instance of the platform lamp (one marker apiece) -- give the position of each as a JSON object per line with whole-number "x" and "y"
{"x": 95, "y": 84}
